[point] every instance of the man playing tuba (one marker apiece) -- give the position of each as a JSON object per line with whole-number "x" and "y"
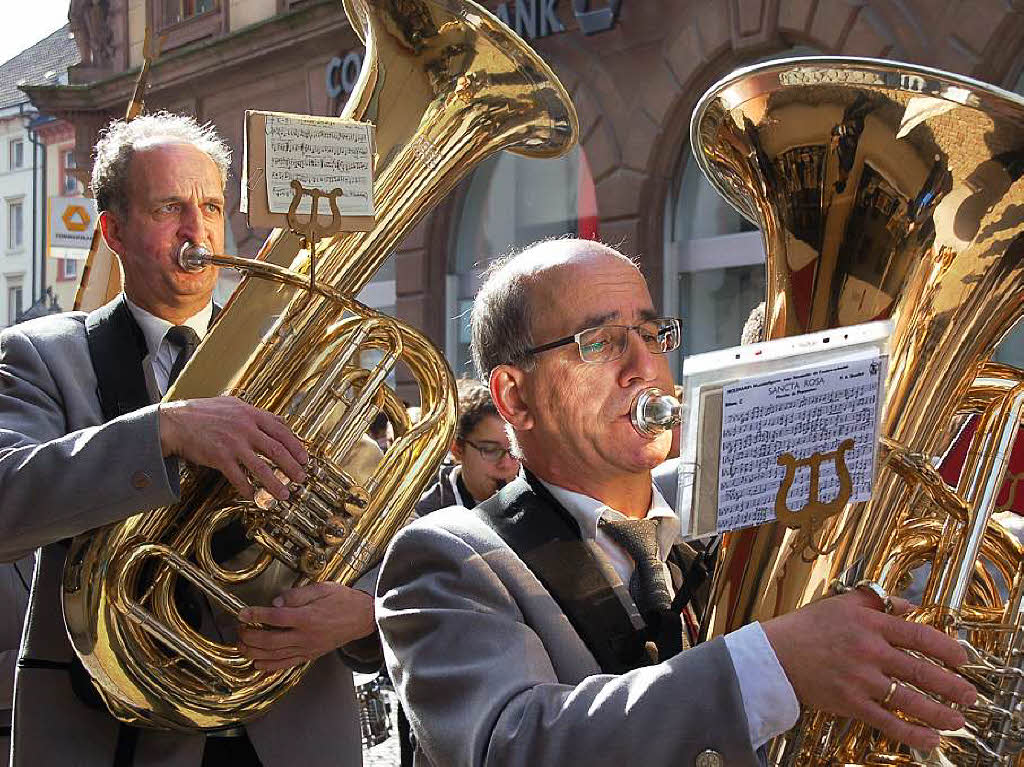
{"x": 509, "y": 630}
{"x": 85, "y": 441}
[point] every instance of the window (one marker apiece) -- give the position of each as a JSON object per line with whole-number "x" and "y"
{"x": 67, "y": 269}
{"x": 180, "y": 10}
{"x": 17, "y": 154}
{"x": 15, "y": 229}
{"x": 180, "y": 22}
{"x": 512, "y": 201}
{"x": 70, "y": 182}
{"x": 14, "y": 303}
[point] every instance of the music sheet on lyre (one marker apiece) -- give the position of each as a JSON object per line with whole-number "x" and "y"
{"x": 801, "y": 412}
{"x": 321, "y": 152}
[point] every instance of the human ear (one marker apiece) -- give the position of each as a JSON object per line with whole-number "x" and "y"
{"x": 457, "y": 450}
{"x": 110, "y": 227}
{"x": 508, "y": 390}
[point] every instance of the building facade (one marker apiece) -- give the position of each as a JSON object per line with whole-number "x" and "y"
{"x": 635, "y": 69}
{"x": 35, "y": 150}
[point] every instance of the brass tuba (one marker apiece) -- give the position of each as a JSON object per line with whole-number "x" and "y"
{"x": 885, "y": 190}
{"x": 447, "y": 85}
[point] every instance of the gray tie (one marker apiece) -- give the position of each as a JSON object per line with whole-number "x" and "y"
{"x": 638, "y": 538}
{"x": 186, "y": 339}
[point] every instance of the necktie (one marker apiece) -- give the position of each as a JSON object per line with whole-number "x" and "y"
{"x": 649, "y": 584}
{"x": 186, "y": 339}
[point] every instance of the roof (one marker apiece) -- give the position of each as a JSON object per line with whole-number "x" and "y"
{"x": 45, "y": 63}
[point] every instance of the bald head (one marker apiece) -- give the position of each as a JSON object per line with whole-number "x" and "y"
{"x": 515, "y": 286}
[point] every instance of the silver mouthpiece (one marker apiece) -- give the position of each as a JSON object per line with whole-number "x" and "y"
{"x": 192, "y": 257}
{"x": 654, "y": 411}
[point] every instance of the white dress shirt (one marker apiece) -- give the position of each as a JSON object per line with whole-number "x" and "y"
{"x": 162, "y": 352}
{"x": 768, "y": 698}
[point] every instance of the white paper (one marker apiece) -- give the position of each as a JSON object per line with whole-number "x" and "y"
{"x": 802, "y": 412}
{"x": 321, "y": 153}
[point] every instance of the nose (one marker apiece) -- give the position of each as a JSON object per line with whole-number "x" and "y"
{"x": 190, "y": 224}
{"x": 638, "y": 363}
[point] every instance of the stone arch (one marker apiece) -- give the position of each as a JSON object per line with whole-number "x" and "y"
{"x": 718, "y": 38}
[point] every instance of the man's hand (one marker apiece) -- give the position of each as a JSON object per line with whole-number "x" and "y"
{"x": 842, "y": 653}
{"x": 310, "y": 621}
{"x": 229, "y": 435}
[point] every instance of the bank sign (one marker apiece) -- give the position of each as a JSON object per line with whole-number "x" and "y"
{"x": 72, "y": 220}
{"x": 531, "y": 19}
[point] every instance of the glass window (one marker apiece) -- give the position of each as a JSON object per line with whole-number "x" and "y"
{"x": 714, "y": 258}
{"x": 70, "y": 182}
{"x": 179, "y": 10}
{"x": 510, "y": 202}
{"x": 14, "y": 303}
{"x": 15, "y": 228}
{"x": 70, "y": 269}
{"x": 718, "y": 260}
{"x": 17, "y": 154}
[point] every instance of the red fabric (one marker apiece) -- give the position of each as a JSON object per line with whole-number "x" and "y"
{"x": 1010, "y": 497}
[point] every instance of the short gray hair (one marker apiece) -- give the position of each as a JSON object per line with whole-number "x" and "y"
{"x": 121, "y": 139}
{"x": 502, "y": 315}
{"x": 501, "y": 318}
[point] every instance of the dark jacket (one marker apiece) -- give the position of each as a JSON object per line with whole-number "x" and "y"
{"x": 441, "y": 494}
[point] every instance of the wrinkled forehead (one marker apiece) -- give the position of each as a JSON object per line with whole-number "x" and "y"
{"x": 594, "y": 288}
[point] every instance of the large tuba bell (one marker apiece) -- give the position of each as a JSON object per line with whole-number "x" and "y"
{"x": 885, "y": 190}
{"x": 447, "y": 84}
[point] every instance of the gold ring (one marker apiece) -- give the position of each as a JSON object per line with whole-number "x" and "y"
{"x": 893, "y": 684}
{"x": 876, "y": 589}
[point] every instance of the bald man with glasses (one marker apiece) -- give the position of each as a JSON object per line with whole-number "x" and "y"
{"x": 543, "y": 626}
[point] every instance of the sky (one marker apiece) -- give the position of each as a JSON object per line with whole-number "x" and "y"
{"x": 26, "y": 23}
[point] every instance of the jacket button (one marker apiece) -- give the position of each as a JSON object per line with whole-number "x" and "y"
{"x": 709, "y": 758}
{"x": 140, "y": 480}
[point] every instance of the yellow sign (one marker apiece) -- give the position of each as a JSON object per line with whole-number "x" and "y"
{"x": 76, "y": 218}
{"x": 72, "y": 220}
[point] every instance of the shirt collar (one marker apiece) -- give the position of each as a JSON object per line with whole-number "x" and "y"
{"x": 588, "y": 512}
{"x": 155, "y": 328}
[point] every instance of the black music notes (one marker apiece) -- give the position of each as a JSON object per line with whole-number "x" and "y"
{"x": 322, "y": 153}
{"x": 799, "y": 412}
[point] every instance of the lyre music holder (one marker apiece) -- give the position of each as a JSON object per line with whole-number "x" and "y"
{"x": 311, "y": 230}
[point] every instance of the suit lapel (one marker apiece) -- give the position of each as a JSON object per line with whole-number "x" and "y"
{"x": 117, "y": 348}
{"x": 546, "y": 537}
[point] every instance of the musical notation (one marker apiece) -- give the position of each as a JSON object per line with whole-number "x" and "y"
{"x": 322, "y": 153}
{"x": 799, "y": 412}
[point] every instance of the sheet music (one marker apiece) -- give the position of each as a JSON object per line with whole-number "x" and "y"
{"x": 811, "y": 410}
{"x": 323, "y": 153}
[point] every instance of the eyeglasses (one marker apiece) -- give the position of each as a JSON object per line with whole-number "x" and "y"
{"x": 489, "y": 453}
{"x": 609, "y": 342}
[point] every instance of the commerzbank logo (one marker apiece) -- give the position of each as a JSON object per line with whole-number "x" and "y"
{"x": 76, "y": 218}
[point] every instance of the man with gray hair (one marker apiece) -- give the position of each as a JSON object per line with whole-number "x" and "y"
{"x": 85, "y": 442}
{"x": 509, "y": 630}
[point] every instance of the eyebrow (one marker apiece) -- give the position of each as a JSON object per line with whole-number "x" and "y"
{"x": 603, "y": 319}
{"x": 179, "y": 198}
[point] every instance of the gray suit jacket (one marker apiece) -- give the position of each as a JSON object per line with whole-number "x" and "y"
{"x": 64, "y": 471}
{"x": 492, "y": 672}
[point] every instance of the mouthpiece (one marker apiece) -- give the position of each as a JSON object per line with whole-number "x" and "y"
{"x": 654, "y": 411}
{"x": 192, "y": 257}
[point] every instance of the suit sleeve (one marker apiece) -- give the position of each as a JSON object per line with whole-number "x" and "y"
{"x": 481, "y": 688}
{"x": 55, "y": 484}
